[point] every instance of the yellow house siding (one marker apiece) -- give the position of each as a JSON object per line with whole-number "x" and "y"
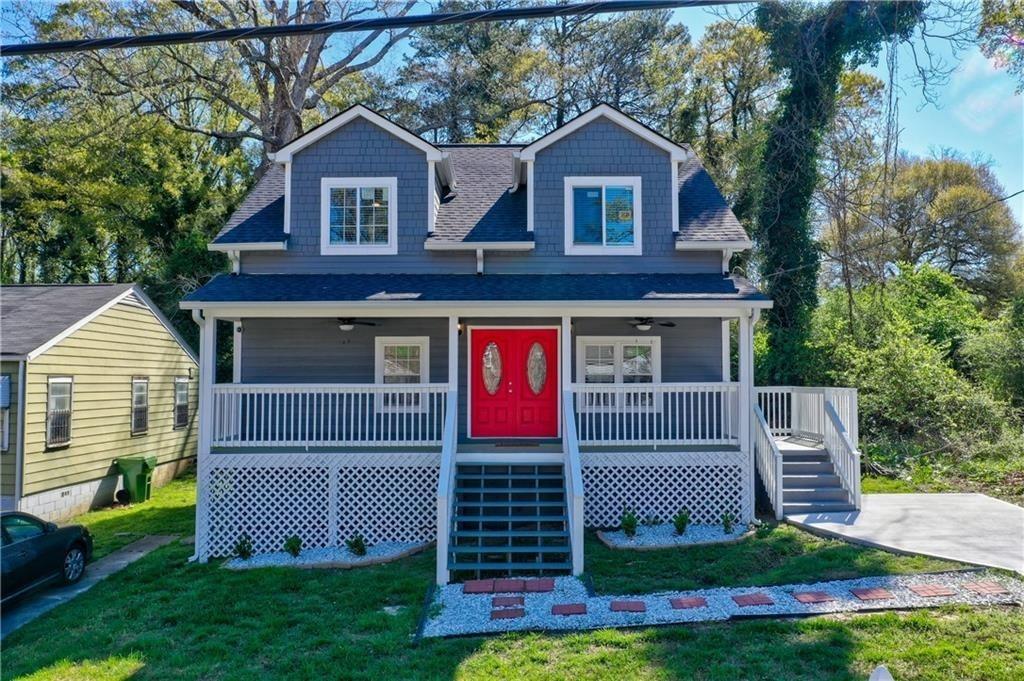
{"x": 9, "y": 456}
{"x": 102, "y": 357}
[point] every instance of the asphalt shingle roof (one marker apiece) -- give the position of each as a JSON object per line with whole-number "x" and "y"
{"x": 703, "y": 213}
{"x": 288, "y": 288}
{"x": 260, "y": 218}
{"x": 31, "y": 315}
{"x": 482, "y": 208}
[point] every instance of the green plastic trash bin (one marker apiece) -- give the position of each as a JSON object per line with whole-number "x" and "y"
{"x": 138, "y": 476}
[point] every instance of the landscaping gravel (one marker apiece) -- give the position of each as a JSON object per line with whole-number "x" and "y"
{"x": 664, "y": 536}
{"x": 454, "y": 613}
{"x": 329, "y": 557}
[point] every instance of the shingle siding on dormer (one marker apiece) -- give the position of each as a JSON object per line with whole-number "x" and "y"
{"x": 361, "y": 149}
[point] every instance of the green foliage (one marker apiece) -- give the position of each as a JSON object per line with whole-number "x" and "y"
{"x": 995, "y": 354}
{"x": 728, "y": 522}
{"x": 243, "y": 547}
{"x": 628, "y": 522}
{"x": 681, "y": 521}
{"x": 293, "y": 546}
{"x": 1001, "y": 35}
{"x": 356, "y": 545}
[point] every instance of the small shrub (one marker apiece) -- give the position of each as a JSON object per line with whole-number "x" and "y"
{"x": 293, "y": 545}
{"x": 728, "y": 522}
{"x": 628, "y": 523}
{"x": 356, "y": 545}
{"x": 681, "y": 521}
{"x": 243, "y": 547}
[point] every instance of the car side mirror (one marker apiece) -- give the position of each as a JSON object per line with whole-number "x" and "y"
{"x": 51, "y": 527}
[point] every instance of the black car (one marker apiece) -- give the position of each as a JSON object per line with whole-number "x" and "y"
{"x": 36, "y": 553}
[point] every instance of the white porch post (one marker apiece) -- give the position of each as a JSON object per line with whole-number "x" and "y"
{"x": 447, "y": 463}
{"x": 746, "y": 379}
{"x": 453, "y": 353}
{"x": 566, "y": 358}
{"x": 726, "y": 351}
{"x": 207, "y": 377}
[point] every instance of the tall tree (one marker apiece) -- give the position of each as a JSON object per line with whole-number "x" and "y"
{"x": 811, "y": 45}
{"x": 1001, "y": 35}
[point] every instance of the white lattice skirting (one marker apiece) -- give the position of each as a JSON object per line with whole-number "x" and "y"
{"x": 658, "y": 485}
{"x": 323, "y": 499}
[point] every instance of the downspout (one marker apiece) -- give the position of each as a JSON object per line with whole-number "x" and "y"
{"x": 19, "y": 452}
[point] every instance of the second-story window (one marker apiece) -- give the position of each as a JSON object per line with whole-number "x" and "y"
{"x": 358, "y": 216}
{"x": 602, "y": 216}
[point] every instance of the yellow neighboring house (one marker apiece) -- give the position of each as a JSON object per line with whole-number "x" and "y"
{"x": 90, "y": 373}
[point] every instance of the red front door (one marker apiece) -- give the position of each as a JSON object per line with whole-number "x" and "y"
{"x": 514, "y": 382}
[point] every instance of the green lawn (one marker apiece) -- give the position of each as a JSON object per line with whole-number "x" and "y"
{"x": 165, "y": 618}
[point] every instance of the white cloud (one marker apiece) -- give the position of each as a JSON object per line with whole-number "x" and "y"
{"x": 987, "y": 107}
{"x": 977, "y": 67}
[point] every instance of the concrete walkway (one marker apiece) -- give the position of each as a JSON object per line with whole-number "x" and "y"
{"x": 24, "y": 611}
{"x": 971, "y": 528}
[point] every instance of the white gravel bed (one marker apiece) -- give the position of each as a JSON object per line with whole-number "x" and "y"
{"x": 453, "y": 613}
{"x": 664, "y": 535}
{"x": 329, "y": 557}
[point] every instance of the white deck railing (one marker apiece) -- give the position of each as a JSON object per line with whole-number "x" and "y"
{"x": 321, "y": 414}
{"x": 445, "y": 488}
{"x": 769, "y": 460}
{"x": 800, "y": 412}
{"x": 574, "y": 491}
{"x": 844, "y": 454}
{"x": 656, "y": 413}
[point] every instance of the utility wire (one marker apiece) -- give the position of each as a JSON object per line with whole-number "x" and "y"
{"x": 370, "y": 24}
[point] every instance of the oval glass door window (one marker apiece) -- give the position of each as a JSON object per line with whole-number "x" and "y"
{"x": 492, "y": 368}
{"x": 537, "y": 368}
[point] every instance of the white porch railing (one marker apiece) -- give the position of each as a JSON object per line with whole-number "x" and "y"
{"x": 574, "y": 490}
{"x": 445, "y": 487}
{"x": 321, "y": 414}
{"x": 844, "y": 454}
{"x": 800, "y": 412}
{"x": 656, "y": 413}
{"x": 769, "y": 460}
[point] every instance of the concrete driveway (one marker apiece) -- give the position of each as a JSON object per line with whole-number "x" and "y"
{"x": 971, "y": 528}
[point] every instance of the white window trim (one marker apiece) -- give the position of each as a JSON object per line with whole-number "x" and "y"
{"x": 329, "y": 183}
{"x": 618, "y": 342}
{"x": 633, "y": 181}
{"x": 174, "y": 401}
{"x": 380, "y": 342}
{"x": 131, "y": 423}
{"x": 50, "y": 380}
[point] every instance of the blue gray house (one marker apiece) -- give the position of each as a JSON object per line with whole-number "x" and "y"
{"x": 492, "y": 347}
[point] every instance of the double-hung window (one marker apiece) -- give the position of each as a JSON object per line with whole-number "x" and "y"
{"x": 618, "y": 363}
{"x": 180, "y": 402}
{"x": 358, "y": 215}
{"x": 140, "y": 405}
{"x": 5, "y": 412}
{"x": 58, "y": 410}
{"x": 402, "y": 361}
{"x": 602, "y": 216}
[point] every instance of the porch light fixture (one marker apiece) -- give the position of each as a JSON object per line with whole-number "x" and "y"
{"x": 643, "y": 326}
{"x": 346, "y": 325}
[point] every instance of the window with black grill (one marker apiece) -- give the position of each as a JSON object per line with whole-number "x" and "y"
{"x": 140, "y": 405}
{"x": 180, "y": 402}
{"x": 58, "y": 410}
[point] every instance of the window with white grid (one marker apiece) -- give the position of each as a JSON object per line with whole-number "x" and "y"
{"x": 400, "y": 361}
{"x": 358, "y": 216}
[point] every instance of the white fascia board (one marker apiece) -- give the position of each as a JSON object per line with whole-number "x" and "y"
{"x": 690, "y": 245}
{"x": 106, "y": 306}
{"x": 677, "y": 152}
{"x": 442, "y": 308}
{"x": 249, "y": 246}
{"x": 433, "y": 245}
{"x": 285, "y": 153}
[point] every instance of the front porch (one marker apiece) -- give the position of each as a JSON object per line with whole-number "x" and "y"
{"x": 329, "y": 459}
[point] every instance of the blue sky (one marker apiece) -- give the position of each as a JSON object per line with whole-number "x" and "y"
{"x": 977, "y": 112}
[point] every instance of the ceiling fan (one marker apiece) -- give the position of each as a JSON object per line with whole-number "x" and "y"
{"x": 645, "y": 323}
{"x": 347, "y": 324}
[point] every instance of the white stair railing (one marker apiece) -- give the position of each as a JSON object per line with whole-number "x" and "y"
{"x": 844, "y": 454}
{"x": 656, "y": 413}
{"x": 574, "y": 490}
{"x": 769, "y": 461}
{"x": 446, "y": 487}
{"x": 325, "y": 415}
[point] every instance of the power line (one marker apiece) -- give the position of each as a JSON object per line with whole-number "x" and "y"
{"x": 370, "y": 24}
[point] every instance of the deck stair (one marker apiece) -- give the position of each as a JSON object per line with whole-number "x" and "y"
{"x": 510, "y": 519}
{"x": 809, "y": 480}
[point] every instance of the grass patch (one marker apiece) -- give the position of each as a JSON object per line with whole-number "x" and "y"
{"x": 163, "y": 617}
{"x": 776, "y": 554}
{"x": 877, "y": 484}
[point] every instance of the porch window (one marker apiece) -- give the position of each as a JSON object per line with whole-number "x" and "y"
{"x": 140, "y": 405}
{"x": 602, "y": 216}
{"x": 617, "y": 363}
{"x": 358, "y": 216}
{"x": 58, "y": 410}
{"x": 180, "y": 402}
{"x": 402, "y": 361}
